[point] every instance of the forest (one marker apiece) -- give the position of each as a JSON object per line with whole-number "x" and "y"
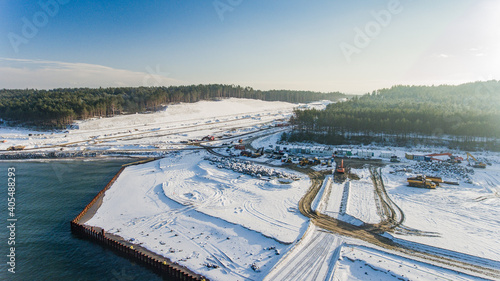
{"x": 467, "y": 113}
{"x": 58, "y": 108}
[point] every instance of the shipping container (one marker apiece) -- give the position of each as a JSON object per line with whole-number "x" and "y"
{"x": 364, "y": 154}
{"x": 344, "y": 152}
{"x": 418, "y": 157}
{"x": 385, "y": 154}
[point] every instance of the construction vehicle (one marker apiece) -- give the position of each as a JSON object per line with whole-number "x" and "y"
{"x": 208, "y": 138}
{"x": 452, "y": 158}
{"x": 258, "y": 153}
{"x": 456, "y": 159}
{"x": 395, "y": 159}
{"x": 16, "y": 147}
{"x": 315, "y": 161}
{"x": 439, "y": 154}
{"x": 239, "y": 147}
{"x": 340, "y": 168}
{"x": 421, "y": 181}
{"x": 476, "y": 163}
{"x": 304, "y": 162}
{"x": 246, "y": 153}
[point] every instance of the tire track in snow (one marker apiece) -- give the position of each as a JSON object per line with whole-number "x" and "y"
{"x": 248, "y": 205}
{"x": 310, "y": 258}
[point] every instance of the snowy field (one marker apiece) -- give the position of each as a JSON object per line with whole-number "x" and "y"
{"x": 463, "y": 220}
{"x": 197, "y": 214}
{"x": 165, "y": 129}
{"x": 357, "y": 262}
{"x": 467, "y": 216}
{"x": 185, "y": 191}
{"x": 360, "y": 198}
{"x": 352, "y": 201}
{"x": 229, "y": 225}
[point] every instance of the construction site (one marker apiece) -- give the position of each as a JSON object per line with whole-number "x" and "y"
{"x": 225, "y": 199}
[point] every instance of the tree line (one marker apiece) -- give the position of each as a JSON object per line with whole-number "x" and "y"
{"x": 465, "y": 113}
{"x": 60, "y": 107}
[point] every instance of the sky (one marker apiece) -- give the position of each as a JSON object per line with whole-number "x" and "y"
{"x": 348, "y": 46}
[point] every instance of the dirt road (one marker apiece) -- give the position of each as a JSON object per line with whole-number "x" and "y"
{"x": 371, "y": 233}
{"x": 393, "y": 218}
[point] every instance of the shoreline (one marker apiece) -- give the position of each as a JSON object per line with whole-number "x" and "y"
{"x": 54, "y": 155}
{"x": 68, "y": 159}
{"x": 162, "y": 265}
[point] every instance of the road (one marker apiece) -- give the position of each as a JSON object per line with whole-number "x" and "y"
{"x": 372, "y": 233}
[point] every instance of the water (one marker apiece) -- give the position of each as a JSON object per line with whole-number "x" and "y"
{"x": 48, "y": 196}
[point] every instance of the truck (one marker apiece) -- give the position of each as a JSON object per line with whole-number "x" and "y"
{"x": 395, "y": 159}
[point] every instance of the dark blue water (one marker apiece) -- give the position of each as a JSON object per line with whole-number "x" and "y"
{"x": 48, "y": 196}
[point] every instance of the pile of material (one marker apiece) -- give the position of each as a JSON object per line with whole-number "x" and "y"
{"x": 249, "y": 168}
{"x": 442, "y": 169}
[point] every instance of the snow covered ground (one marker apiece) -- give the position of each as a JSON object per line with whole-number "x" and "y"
{"x": 184, "y": 191}
{"x": 322, "y": 255}
{"x": 466, "y": 216}
{"x": 313, "y": 258}
{"x": 232, "y": 226}
{"x": 463, "y": 218}
{"x": 361, "y": 203}
{"x": 197, "y": 214}
{"x": 164, "y": 129}
{"x": 352, "y": 201}
{"x": 357, "y": 262}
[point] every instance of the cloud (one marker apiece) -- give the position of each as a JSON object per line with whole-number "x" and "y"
{"x": 42, "y": 74}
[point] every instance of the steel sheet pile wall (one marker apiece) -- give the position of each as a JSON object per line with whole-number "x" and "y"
{"x": 160, "y": 265}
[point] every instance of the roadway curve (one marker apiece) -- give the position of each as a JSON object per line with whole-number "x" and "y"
{"x": 371, "y": 233}
{"x": 334, "y": 225}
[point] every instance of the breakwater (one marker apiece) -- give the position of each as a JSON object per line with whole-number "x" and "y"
{"x": 157, "y": 263}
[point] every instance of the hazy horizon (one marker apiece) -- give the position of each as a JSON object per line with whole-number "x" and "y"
{"x": 323, "y": 46}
